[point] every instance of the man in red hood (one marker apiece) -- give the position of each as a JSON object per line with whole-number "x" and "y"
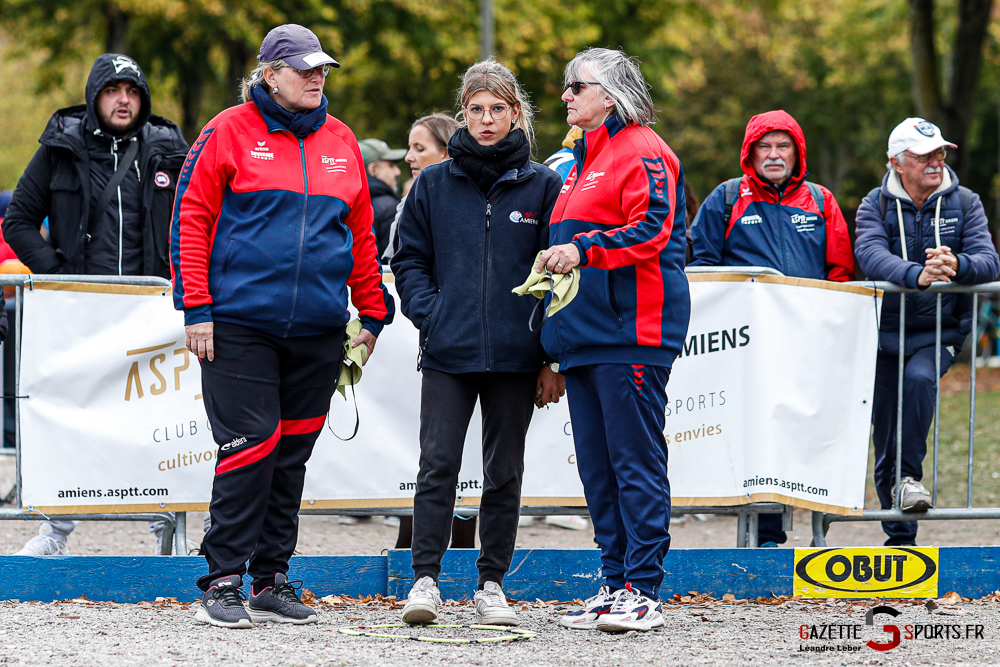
{"x": 773, "y": 217}
{"x": 776, "y": 218}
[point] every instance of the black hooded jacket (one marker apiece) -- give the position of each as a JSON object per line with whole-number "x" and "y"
{"x": 70, "y": 170}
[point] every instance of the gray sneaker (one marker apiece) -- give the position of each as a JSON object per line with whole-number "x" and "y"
{"x": 222, "y": 604}
{"x": 423, "y": 602}
{"x": 914, "y": 497}
{"x": 491, "y": 606}
{"x": 280, "y": 604}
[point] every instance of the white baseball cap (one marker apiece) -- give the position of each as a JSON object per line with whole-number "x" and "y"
{"x": 918, "y": 136}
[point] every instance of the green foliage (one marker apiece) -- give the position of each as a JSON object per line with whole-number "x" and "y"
{"x": 840, "y": 67}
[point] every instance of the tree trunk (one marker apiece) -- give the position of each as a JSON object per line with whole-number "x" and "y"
{"x": 116, "y": 21}
{"x": 192, "y": 90}
{"x": 239, "y": 55}
{"x": 952, "y": 110}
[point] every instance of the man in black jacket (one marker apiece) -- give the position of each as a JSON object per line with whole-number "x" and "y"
{"x": 82, "y": 148}
{"x": 105, "y": 176}
{"x": 380, "y": 163}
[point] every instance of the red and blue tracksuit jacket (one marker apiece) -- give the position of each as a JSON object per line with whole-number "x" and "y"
{"x": 269, "y": 230}
{"x": 618, "y": 207}
{"x": 777, "y": 227}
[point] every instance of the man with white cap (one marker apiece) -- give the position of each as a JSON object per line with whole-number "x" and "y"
{"x": 919, "y": 227}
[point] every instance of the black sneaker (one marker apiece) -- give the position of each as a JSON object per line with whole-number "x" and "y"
{"x": 280, "y": 604}
{"x": 222, "y": 604}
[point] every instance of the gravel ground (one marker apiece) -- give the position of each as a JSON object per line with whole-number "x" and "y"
{"x": 714, "y": 634}
{"x": 710, "y": 632}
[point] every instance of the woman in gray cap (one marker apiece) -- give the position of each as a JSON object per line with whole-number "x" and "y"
{"x": 272, "y": 225}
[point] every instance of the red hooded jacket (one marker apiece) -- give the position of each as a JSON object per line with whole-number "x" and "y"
{"x": 775, "y": 226}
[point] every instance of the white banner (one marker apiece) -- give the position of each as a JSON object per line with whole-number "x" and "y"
{"x": 771, "y": 401}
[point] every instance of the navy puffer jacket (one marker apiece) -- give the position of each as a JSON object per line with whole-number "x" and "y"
{"x": 880, "y": 256}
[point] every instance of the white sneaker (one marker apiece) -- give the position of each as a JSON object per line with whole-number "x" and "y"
{"x": 631, "y": 610}
{"x": 595, "y": 607}
{"x": 44, "y": 545}
{"x": 423, "y": 602}
{"x": 345, "y": 520}
{"x": 914, "y": 496}
{"x": 567, "y": 521}
{"x": 491, "y": 606}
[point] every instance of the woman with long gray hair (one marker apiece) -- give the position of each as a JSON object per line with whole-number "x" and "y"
{"x": 620, "y": 218}
{"x": 469, "y": 232}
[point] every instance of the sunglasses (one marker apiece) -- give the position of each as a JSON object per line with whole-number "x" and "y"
{"x": 577, "y": 86}
{"x": 939, "y": 155}
{"x": 308, "y": 73}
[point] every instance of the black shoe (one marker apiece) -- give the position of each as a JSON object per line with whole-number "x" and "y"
{"x": 222, "y": 604}
{"x": 280, "y": 604}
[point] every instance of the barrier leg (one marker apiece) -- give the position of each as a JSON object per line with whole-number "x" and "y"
{"x": 741, "y": 529}
{"x": 753, "y": 524}
{"x": 180, "y": 534}
{"x": 167, "y": 538}
{"x": 786, "y": 518}
{"x": 819, "y": 529}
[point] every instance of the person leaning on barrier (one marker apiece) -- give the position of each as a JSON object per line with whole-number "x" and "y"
{"x": 470, "y": 231}
{"x": 619, "y": 218}
{"x": 773, "y": 217}
{"x": 105, "y": 176}
{"x": 266, "y": 242}
{"x": 919, "y": 227}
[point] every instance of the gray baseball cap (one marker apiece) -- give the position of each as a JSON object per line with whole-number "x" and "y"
{"x": 376, "y": 149}
{"x": 296, "y": 45}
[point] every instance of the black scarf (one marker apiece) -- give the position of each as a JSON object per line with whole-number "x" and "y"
{"x": 486, "y": 164}
{"x": 301, "y": 124}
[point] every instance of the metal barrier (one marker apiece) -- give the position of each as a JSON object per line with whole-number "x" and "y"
{"x": 821, "y": 521}
{"x": 747, "y": 515}
{"x": 173, "y": 524}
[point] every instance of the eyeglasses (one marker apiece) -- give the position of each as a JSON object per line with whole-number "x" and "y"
{"x": 497, "y": 111}
{"x": 577, "y": 86}
{"x": 939, "y": 155}
{"x": 307, "y": 73}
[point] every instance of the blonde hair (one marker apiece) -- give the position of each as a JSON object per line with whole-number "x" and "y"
{"x": 496, "y": 78}
{"x": 256, "y": 77}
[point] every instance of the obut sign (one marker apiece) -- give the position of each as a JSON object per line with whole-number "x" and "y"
{"x": 892, "y": 572}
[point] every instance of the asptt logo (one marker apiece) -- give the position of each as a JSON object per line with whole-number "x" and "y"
{"x": 122, "y": 63}
{"x": 751, "y": 220}
{"x": 335, "y": 165}
{"x": 157, "y": 365}
{"x": 891, "y": 629}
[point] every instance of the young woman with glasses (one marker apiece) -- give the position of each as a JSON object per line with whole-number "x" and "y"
{"x": 469, "y": 232}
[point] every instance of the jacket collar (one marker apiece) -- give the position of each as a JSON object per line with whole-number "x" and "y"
{"x": 892, "y": 185}
{"x": 521, "y": 174}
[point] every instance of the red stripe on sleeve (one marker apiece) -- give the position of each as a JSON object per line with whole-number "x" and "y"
{"x": 250, "y": 455}
{"x": 301, "y": 426}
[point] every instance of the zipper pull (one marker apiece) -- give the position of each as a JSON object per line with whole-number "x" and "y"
{"x": 489, "y": 210}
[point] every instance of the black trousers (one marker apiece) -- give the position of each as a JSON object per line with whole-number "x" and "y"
{"x": 446, "y": 405}
{"x": 267, "y": 399}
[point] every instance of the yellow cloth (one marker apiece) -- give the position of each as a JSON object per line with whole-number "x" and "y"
{"x": 562, "y": 286}
{"x": 354, "y": 357}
